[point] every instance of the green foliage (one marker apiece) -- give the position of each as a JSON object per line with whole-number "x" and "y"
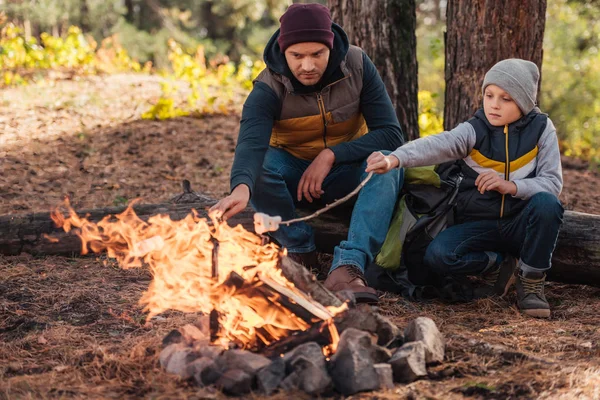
{"x": 430, "y": 54}
{"x": 430, "y": 120}
{"x": 165, "y": 106}
{"x": 214, "y": 87}
{"x": 21, "y": 57}
{"x": 120, "y": 201}
{"x": 226, "y": 27}
{"x": 571, "y": 76}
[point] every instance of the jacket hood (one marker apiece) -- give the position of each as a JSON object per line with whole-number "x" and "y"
{"x": 276, "y": 62}
{"x": 516, "y": 126}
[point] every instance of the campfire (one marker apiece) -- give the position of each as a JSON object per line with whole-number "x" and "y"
{"x": 266, "y": 323}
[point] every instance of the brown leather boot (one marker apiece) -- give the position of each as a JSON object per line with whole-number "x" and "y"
{"x": 349, "y": 277}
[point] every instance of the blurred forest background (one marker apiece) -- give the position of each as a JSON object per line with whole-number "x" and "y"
{"x": 215, "y": 49}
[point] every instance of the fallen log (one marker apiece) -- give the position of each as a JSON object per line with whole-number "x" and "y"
{"x": 26, "y": 233}
{"x": 576, "y": 258}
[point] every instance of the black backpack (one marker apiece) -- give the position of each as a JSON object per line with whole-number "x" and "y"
{"x": 426, "y": 207}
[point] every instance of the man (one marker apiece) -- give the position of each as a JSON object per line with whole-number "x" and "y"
{"x": 315, "y": 114}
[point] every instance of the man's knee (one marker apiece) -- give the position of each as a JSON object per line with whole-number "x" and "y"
{"x": 394, "y": 177}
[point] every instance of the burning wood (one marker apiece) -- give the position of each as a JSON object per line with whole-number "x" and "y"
{"x": 254, "y": 298}
{"x": 208, "y": 267}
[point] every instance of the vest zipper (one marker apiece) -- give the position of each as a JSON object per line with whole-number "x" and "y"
{"x": 323, "y": 116}
{"x": 506, "y": 167}
{"x": 322, "y": 110}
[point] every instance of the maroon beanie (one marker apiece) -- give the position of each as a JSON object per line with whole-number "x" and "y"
{"x": 305, "y": 23}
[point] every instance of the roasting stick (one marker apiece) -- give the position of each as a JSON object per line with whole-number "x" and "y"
{"x": 266, "y": 223}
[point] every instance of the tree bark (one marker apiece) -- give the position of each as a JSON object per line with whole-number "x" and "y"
{"x": 576, "y": 258}
{"x": 130, "y": 14}
{"x": 84, "y": 16}
{"x": 479, "y": 34}
{"x": 385, "y": 30}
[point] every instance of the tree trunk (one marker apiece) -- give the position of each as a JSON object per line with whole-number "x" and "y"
{"x": 385, "y": 30}
{"x": 84, "y": 16}
{"x": 130, "y": 14}
{"x": 479, "y": 34}
{"x": 576, "y": 258}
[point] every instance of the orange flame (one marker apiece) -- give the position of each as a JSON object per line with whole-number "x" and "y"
{"x": 179, "y": 255}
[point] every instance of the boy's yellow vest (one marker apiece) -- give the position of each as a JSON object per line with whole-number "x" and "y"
{"x": 311, "y": 122}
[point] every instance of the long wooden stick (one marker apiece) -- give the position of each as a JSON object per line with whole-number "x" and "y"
{"x": 330, "y": 206}
{"x": 267, "y": 223}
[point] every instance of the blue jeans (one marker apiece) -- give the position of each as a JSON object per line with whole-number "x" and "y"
{"x": 473, "y": 248}
{"x": 275, "y": 194}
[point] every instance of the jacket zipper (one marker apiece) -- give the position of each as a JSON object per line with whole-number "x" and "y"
{"x": 322, "y": 110}
{"x": 323, "y": 116}
{"x": 506, "y": 167}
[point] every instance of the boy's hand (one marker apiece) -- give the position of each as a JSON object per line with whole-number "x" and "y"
{"x": 492, "y": 181}
{"x": 380, "y": 164}
{"x": 234, "y": 203}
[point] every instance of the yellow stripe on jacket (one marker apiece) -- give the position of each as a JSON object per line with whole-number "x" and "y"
{"x": 303, "y": 137}
{"x": 519, "y": 168}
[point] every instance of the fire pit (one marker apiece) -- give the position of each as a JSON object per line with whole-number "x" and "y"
{"x": 266, "y": 323}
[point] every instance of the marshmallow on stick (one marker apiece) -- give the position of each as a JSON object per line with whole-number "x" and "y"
{"x": 266, "y": 223}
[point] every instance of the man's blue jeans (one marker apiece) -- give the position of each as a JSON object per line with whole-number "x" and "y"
{"x": 275, "y": 194}
{"x": 473, "y": 248}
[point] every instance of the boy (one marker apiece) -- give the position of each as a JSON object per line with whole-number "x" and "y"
{"x": 508, "y": 201}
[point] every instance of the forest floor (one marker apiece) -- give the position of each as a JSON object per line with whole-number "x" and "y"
{"x": 73, "y": 328}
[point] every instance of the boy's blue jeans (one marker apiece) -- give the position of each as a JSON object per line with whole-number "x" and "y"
{"x": 275, "y": 194}
{"x": 473, "y": 248}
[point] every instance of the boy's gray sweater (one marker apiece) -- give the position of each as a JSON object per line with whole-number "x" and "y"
{"x": 458, "y": 143}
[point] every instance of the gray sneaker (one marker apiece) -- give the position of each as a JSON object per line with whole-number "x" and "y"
{"x": 499, "y": 280}
{"x": 530, "y": 294}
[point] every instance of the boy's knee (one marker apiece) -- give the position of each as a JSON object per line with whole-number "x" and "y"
{"x": 437, "y": 258}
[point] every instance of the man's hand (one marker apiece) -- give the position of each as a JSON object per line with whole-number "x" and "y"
{"x": 380, "y": 164}
{"x": 232, "y": 204}
{"x": 312, "y": 179}
{"x": 492, "y": 181}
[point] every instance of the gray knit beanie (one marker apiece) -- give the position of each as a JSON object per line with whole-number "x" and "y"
{"x": 519, "y": 78}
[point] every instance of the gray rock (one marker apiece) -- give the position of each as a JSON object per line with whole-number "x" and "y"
{"x": 366, "y": 318}
{"x": 168, "y": 351}
{"x": 210, "y": 374}
{"x": 386, "y": 376}
{"x": 270, "y": 377}
{"x": 380, "y": 354}
{"x": 203, "y": 323}
{"x": 192, "y": 334}
{"x": 310, "y": 350}
{"x": 388, "y": 333}
{"x": 172, "y": 337}
{"x": 209, "y": 351}
{"x": 362, "y": 318}
{"x": 351, "y": 367}
{"x": 408, "y": 362}
{"x": 179, "y": 361}
{"x": 290, "y": 383}
{"x": 235, "y": 382}
{"x": 247, "y": 361}
{"x": 312, "y": 377}
{"x": 195, "y": 368}
{"x": 424, "y": 329}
